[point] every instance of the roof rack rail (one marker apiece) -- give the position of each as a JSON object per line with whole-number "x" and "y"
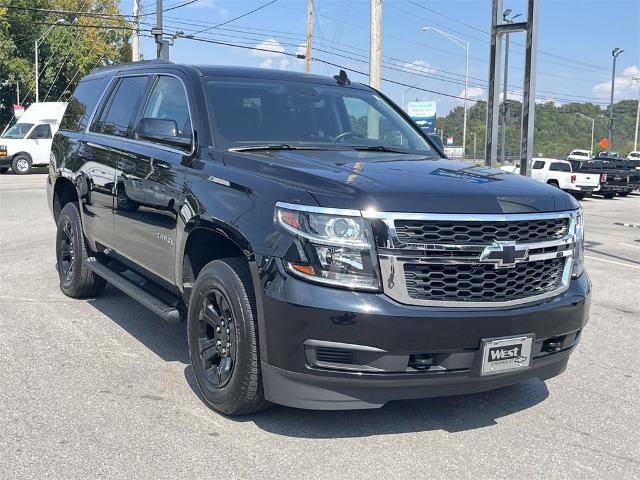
{"x": 130, "y": 64}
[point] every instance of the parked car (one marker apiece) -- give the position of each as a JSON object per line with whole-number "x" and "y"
{"x": 578, "y": 154}
{"x": 613, "y": 179}
{"x": 632, "y": 167}
{"x": 635, "y": 155}
{"x": 559, "y": 174}
{"x": 606, "y": 154}
{"x": 319, "y": 261}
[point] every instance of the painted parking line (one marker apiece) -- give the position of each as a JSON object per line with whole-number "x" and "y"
{"x": 611, "y": 261}
{"x": 629, "y": 245}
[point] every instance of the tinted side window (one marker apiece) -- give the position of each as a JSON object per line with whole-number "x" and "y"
{"x": 168, "y": 101}
{"x": 41, "y": 131}
{"x": 82, "y": 104}
{"x": 560, "y": 167}
{"x": 117, "y": 115}
{"x": 538, "y": 164}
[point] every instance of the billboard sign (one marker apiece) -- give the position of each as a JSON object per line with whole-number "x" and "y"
{"x": 424, "y": 114}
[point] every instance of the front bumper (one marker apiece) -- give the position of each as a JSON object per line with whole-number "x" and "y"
{"x": 391, "y": 335}
{"x": 6, "y": 161}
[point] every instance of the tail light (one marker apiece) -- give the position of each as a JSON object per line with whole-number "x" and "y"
{"x": 573, "y": 178}
{"x": 603, "y": 177}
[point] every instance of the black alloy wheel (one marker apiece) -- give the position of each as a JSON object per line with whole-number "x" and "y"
{"x": 66, "y": 251}
{"x": 216, "y": 339}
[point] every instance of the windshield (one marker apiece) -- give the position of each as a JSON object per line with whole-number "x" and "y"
{"x": 254, "y": 112}
{"x": 19, "y": 130}
{"x": 578, "y": 153}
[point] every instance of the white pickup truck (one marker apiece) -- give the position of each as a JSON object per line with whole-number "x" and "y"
{"x": 559, "y": 174}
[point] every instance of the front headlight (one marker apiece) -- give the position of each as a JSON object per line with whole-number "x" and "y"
{"x": 334, "y": 246}
{"x": 578, "y": 246}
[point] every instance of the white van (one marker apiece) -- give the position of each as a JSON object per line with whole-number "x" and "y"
{"x": 28, "y": 143}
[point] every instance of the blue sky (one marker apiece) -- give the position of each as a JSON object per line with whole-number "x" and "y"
{"x": 575, "y": 42}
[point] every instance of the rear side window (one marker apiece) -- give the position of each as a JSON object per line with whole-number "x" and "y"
{"x": 560, "y": 167}
{"x": 41, "y": 131}
{"x": 118, "y": 113}
{"x": 82, "y": 104}
{"x": 168, "y": 101}
{"x": 538, "y": 164}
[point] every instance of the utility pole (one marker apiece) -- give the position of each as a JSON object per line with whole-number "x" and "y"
{"x": 18, "y": 102}
{"x": 505, "y": 82}
{"x": 307, "y": 67}
{"x": 162, "y": 48}
{"x": 375, "y": 56}
{"x": 614, "y": 53}
{"x": 135, "y": 39}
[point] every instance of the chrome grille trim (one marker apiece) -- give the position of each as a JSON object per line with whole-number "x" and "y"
{"x": 393, "y": 254}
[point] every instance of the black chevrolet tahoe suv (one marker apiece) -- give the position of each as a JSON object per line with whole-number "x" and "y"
{"x": 322, "y": 252}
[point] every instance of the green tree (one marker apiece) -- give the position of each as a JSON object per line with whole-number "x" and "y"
{"x": 69, "y": 51}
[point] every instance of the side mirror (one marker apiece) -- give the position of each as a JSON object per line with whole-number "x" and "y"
{"x": 162, "y": 130}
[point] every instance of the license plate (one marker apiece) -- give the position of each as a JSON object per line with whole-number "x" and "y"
{"x": 506, "y": 354}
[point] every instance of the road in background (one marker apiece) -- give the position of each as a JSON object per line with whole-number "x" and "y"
{"x": 102, "y": 387}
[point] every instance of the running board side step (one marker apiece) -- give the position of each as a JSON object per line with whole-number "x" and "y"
{"x": 157, "y": 306}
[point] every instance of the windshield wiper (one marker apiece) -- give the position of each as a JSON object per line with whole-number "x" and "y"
{"x": 378, "y": 148}
{"x": 275, "y": 146}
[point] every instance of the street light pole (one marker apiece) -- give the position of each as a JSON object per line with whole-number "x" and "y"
{"x": 60, "y": 21}
{"x": 635, "y": 141}
{"x": 615, "y": 52}
{"x": 462, "y": 44}
{"x": 593, "y": 124}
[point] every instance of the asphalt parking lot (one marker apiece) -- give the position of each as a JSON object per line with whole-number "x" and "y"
{"x": 103, "y": 388}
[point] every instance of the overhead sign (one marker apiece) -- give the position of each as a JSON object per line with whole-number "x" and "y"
{"x": 424, "y": 114}
{"x": 18, "y": 110}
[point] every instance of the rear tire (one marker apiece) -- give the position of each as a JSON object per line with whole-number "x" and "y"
{"x": 608, "y": 195}
{"x": 21, "y": 165}
{"x": 76, "y": 279}
{"x": 553, "y": 183}
{"x": 624, "y": 194}
{"x": 222, "y": 334}
{"x": 578, "y": 195}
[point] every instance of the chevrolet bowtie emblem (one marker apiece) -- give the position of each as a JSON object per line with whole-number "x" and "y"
{"x": 504, "y": 254}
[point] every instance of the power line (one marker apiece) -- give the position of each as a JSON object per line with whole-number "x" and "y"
{"x": 238, "y": 17}
{"x": 189, "y": 2}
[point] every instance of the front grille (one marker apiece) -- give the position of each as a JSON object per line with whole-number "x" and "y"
{"x": 479, "y": 233}
{"x": 482, "y": 283}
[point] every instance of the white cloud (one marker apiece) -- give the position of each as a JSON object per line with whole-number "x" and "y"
{"x": 266, "y": 63}
{"x": 268, "y": 49}
{"x": 301, "y": 49}
{"x": 417, "y": 66}
{"x": 626, "y": 87}
{"x": 474, "y": 93}
{"x": 284, "y": 63}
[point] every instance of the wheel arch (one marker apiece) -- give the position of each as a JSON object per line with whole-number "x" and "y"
{"x": 64, "y": 191}
{"x": 205, "y": 240}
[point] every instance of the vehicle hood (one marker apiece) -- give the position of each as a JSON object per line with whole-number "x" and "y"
{"x": 395, "y": 182}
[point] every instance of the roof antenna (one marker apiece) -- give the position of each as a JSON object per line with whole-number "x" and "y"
{"x": 342, "y": 78}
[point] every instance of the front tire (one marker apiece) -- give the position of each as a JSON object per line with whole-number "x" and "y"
{"x": 76, "y": 279}
{"x": 21, "y": 165}
{"x": 222, "y": 334}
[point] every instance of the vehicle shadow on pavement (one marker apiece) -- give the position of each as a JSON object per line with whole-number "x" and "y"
{"x": 451, "y": 414}
{"x": 167, "y": 341}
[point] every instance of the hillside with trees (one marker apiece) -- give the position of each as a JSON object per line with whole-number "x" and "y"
{"x": 558, "y": 129}
{"x": 69, "y": 51}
